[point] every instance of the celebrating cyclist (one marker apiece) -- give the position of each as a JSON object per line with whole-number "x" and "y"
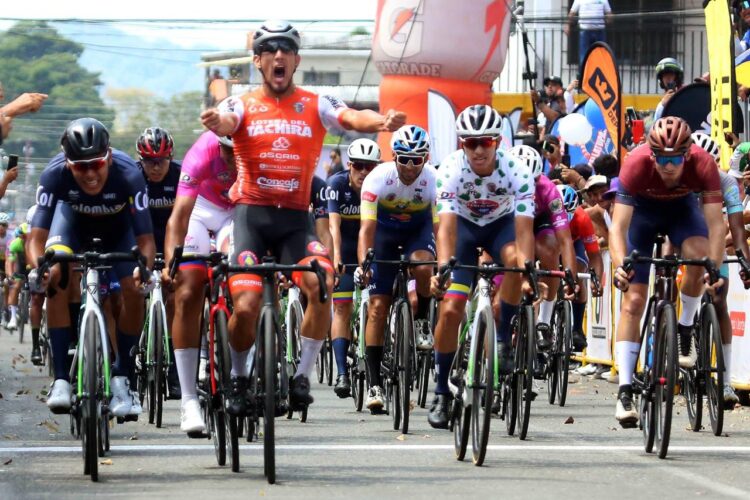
{"x": 344, "y": 190}
{"x": 91, "y": 190}
{"x": 398, "y": 210}
{"x": 657, "y": 182}
{"x": 485, "y": 199}
{"x": 278, "y": 131}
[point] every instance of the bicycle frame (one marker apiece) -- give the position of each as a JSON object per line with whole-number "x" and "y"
{"x": 156, "y": 301}
{"x": 482, "y": 301}
{"x": 218, "y": 301}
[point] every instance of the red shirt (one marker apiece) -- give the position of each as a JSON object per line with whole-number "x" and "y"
{"x": 582, "y": 228}
{"x": 639, "y": 178}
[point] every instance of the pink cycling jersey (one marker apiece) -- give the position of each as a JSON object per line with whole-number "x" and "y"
{"x": 547, "y": 201}
{"x": 205, "y": 174}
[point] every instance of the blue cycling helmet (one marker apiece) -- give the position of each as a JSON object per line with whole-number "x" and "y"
{"x": 410, "y": 140}
{"x": 569, "y": 197}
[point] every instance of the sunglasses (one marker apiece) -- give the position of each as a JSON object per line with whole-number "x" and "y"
{"x": 416, "y": 161}
{"x": 475, "y": 142}
{"x": 82, "y": 166}
{"x": 663, "y": 161}
{"x": 363, "y": 165}
{"x": 273, "y": 46}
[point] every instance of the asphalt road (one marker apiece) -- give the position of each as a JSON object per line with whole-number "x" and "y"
{"x": 341, "y": 453}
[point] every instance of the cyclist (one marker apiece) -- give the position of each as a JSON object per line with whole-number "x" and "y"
{"x": 202, "y": 207}
{"x": 278, "y": 131}
{"x": 552, "y": 236}
{"x": 91, "y": 191}
{"x": 397, "y": 210}
{"x": 344, "y": 190}
{"x": 587, "y": 253}
{"x": 155, "y": 148}
{"x": 37, "y": 303}
{"x": 733, "y": 203}
{"x": 657, "y": 182}
{"x": 319, "y": 211}
{"x": 16, "y": 268}
{"x": 4, "y": 240}
{"x": 485, "y": 199}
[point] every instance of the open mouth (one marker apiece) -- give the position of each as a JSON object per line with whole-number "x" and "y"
{"x": 279, "y": 72}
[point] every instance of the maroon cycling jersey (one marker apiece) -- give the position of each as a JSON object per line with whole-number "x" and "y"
{"x": 639, "y": 178}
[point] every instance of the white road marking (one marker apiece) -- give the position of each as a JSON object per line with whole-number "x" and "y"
{"x": 384, "y": 447}
{"x": 705, "y": 482}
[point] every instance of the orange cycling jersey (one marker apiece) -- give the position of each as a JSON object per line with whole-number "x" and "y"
{"x": 277, "y": 144}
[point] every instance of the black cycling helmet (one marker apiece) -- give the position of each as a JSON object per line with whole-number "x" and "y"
{"x": 275, "y": 29}
{"x": 84, "y": 138}
{"x": 670, "y": 64}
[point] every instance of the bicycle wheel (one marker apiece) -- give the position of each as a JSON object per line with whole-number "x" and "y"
{"x": 553, "y": 359}
{"x": 482, "y": 385}
{"x": 712, "y": 353}
{"x": 233, "y": 445}
{"x": 224, "y": 383}
{"x": 460, "y": 412}
{"x": 665, "y": 377}
{"x": 525, "y": 355}
{"x": 509, "y": 404}
{"x": 403, "y": 362}
{"x": 159, "y": 370}
{"x": 218, "y": 429}
{"x": 693, "y": 384}
{"x": 423, "y": 376}
{"x": 359, "y": 400}
{"x": 90, "y": 413}
{"x": 563, "y": 355}
{"x": 328, "y": 349}
{"x": 645, "y": 376}
{"x": 267, "y": 371}
{"x": 320, "y": 364}
{"x": 23, "y": 310}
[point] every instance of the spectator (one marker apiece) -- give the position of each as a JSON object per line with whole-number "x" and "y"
{"x": 670, "y": 75}
{"x": 743, "y": 9}
{"x": 552, "y": 152}
{"x": 576, "y": 176}
{"x": 606, "y": 165}
{"x": 603, "y": 206}
{"x": 551, "y": 102}
{"x": 25, "y": 103}
{"x": 335, "y": 165}
{"x": 569, "y": 95}
{"x": 593, "y": 15}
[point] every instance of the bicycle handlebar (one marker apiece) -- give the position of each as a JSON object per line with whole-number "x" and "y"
{"x": 91, "y": 259}
{"x": 671, "y": 261}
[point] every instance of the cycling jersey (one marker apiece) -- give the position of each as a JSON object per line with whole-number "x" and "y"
{"x": 205, "y": 174}
{"x": 345, "y": 201}
{"x": 4, "y": 245}
{"x": 161, "y": 198}
{"x": 318, "y": 198}
{"x": 395, "y": 205}
{"x": 17, "y": 255}
{"x": 640, "y": 181}
{"x": 482, "y": 200}
{"x": 581, "y": 228}
{"x": 277, "y": 143}
{"x": 549, "y": 212}
{"x": 730, "y": 192}
{"x": 122, "y": 203}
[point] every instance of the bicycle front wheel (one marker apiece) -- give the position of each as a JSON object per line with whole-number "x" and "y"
{"x": 665, "y": 377}
{"x": 159, "y": 374}
{"x": 564, "y": 326}
{"x": 712, "y": 359}
{"x": 525, "y": 355}
{"x": 268, "y": 387}
{"x": 460, "y": 411}
{"x": 90, "y": 413}
{"x": 403, "y": 361}
{"x": 482, "y": 385}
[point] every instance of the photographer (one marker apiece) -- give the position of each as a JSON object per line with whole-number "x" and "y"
{"x": 670, "y": 75}
{"x": 550, "y": 101}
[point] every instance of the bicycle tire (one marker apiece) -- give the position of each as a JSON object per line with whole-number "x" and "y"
{"x": 404, "y": 362}
{"x": 563, "y": 362}
{"x": 510, "y": 404}
{"x": 159, "y": 372}
{"x": 89, "y": 403}
{"x": 713, "y": 360}
{"x": 423, "y": 376}
{"x": 320, "y": 361}
{"x": 268, "y": 387}
{"x": 23, "y": 309}
{"x": 218, "y": 433}
{"x": 693, "y": 384}
{"x": 233, "y": 444}
{"x": 460, "y": 413}
{"x": 150, "y": 374}
{"x": 329, "y": 359}
{"x": 553, "y": 358}
{"x": 525, "y": 353}
{"x": 646, "y": 413}
{"x": 359, "y": 401}
{"x": 483, "y": 385}
{"x": 665, "y": 370}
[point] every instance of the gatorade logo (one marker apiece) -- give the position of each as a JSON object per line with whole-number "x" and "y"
{"x": 738, "y": 323}
{"x": 603, "y": 88}
{"x": 402, "y": 37}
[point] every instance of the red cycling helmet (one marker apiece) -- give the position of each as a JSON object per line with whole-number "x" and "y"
{"x": 670, "y": 136}
{"x": 155, "y": 142}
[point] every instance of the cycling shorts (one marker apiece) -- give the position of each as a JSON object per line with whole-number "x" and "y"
{"x": 284, "y": 233}
{"x": 581, "y": 255}
{"x": 543, "y": 225}
{"x": 387, "y": 241}
{"x": 469, "y": 236}
{"x": 206, "y": 218}
{"x": 72, "y": 232}
{"x": 678, "y": 219}
{"x": 344, "y": 291}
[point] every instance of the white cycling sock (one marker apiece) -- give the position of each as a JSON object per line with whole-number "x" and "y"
{"x": 727, "y": 348}
{"x": 239, "y": 362}
{"x": 187, "y": 366}
{"x": 545, "y": 311}
{"x": 13, "y": 311}
{"x": 310, "y": 350}
{"x": 690, "y": 307}
{"x": 627, "y": 354}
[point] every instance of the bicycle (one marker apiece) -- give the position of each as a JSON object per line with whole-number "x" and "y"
{"x": 356, "y": 355}
{"x": 153, "y": 355}
{"x": 399, "y": 357}
{"x": 324, "y": 362}
{"x": 269, "y": 384}
{"x": 426, "y": 361}
{"x": 293, "y": 315}
{"x": 90, "y": 370}
{"x": 655, "y": 380}
{"x": 24, "y": 301}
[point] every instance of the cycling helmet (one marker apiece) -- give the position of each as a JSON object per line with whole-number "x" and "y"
{"x": 569, "y": 197}
{"x": 479, "y": 120}
{"x": 84, "y": 138}
{"x": 22, "y": 229}
{"x": 4, "y": 219}
{"x": 226, "y": 140}
{"x": 529, "y": 157}
{"x": 707, "y": 144}
{"x": 670, "y": 64}
{"x": 410, "y": 140}
{"x": 670, "y": 136}
{"x": 155, "y": 142}
{"x": 275, "y": 29}
{"x": 364, "y": 150}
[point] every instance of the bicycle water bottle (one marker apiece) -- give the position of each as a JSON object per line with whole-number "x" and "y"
{"x": 650, "y": 353}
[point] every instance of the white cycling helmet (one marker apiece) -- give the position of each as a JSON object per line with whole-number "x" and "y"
{"x": 707, "y": 144}
{"x": 479, "y": 120}
{"x": 4, "y": 218}
{"x": 364, "y": 150}
{"x": 275, "y": 29}
{"x": 530, "y": 157}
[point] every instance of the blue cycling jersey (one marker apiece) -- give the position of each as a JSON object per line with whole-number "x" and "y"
{"x": 161, "y": 200}
{"x": 344, "y": 200}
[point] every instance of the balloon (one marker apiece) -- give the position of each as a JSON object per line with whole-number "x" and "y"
{"x": 575, "y": 129}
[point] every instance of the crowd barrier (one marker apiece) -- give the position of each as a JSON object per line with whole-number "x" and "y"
{"x": 603, "y": 313}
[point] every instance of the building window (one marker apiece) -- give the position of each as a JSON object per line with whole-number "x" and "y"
{"x": 313, "y": 77}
